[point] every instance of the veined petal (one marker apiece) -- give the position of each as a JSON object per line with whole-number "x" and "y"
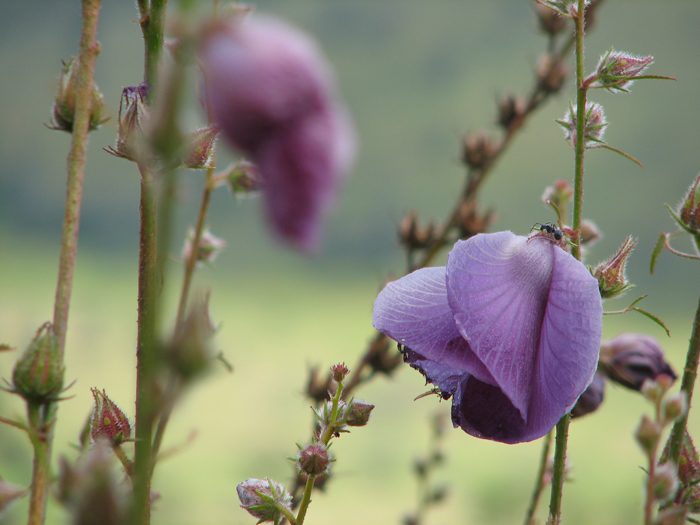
{"x": 414, "y": 311}
{"x": 498, "y": 286}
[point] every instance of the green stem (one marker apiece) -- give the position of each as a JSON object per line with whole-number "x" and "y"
{"x": 42, "y": 418}
{"x": 563, "y": 425}
{"x": 152, "y": 22}
{"x": 690, "y": 373}
{"x": 539, "y": 483}
{"x": 305, "y": 500}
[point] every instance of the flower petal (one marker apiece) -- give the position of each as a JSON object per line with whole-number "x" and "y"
{"x": 414, "y": 311}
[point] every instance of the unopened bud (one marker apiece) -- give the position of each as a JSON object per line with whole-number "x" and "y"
{"x": 210, "y": 246}
{"x": 510, "y": 108}
{"x": 591, "y": 398}
{"x": 108, "y": 421}
{"x": 631, "y": 359}
{"x": 665, "y": 482}
{"x": 264, "y": 499}
{"x": 314, "y": 460}
{"x": 616, "y": 70}
{"x": 133, "y": 118}
{"x": 412, "y": 235}
{"x": 551, "y": 74}
{"x": 610, "y": 274}
{"x": 64, "y": 106}
{"x": 339, "y": 372}
{"x": 189, "y": 351}
{"x": 478, "y": 150}
{"x": 673, "y": 407}
{"x": 38, "y": 374}
{"x": 589, "y": 233}
{"x": 648, "y": 433}
{"x": 358, "y": 413}
{"x": 688, "y": 211}
{"x": 593, "y": 127}
{"x": 324, "y": 414}
{"x": 559, "y": 193}
{"x": 202, "y": 144}
{"x": 243, "y": 178}
{"x": 675, "y": 515}
{"x": 551, "y": 22}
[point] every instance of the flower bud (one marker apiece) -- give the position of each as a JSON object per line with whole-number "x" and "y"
{"x": 551, "y": 22}
{"x": 339, "y": 372}
{"x": 189, "y": 351}
{"x": 263, "y": 499}
{"x": 38, "y": 373}
{"x": 314, "y": 460}
{"x": 64, "y": 106}
{"x": 665, "y": 482}
{"x": 568, "y": 8}
{"x": 358, "y": 413}
{"x": 648, "y": 433}
{"x": 414, "y": 236}
{"x": 380, "y": 357}
{"x": 202, "y": 144}
{"x": 612, "y": 281}
{"x": 673, "y": 407}
{"x": 589, "y": 233}
{"x": 551, "y": 74}
{"x": 108, "y": 421}
{"x": 688, "y": 211}
{"x": 510, "y": 108}
{"x": 631, "y": 359}
{"x": 560, "y": 193}
{"x": 244, "y": 179}
{"x": 616, "y": 70}
{"x": 210, "y": 247}
{"x": 325, "y": 412}
{"x": 8, "y": 495}
{"x": 477, "y": 150}
{"x": 593, "y": 128}
{"x": 591, "y": 398}
{"x": 132, "y": 123}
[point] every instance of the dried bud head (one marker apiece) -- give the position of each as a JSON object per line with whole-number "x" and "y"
{"x": 108, "y": 422}
{"x": 358, "y": 413}
{"x": 414, "y": 236}
{"x": 314, "y": 460}
{"x": 471, "y": 221}
{"x": 593, "y": 128}
{"x": 63, "y": 110}
{"x": 551, "y": 22}
{"x": 477, "y": 150}
{"x": 592, "y": 397}
{"x": 38, "y": 373}
{"x": 551, "y": 74}
{"x": 210, "y": 247}
{"x": 264, "y": 499}
{"x": 380, "y": 356}
{"x": 688, "y": 211}
{"x": 632, "y": 359}
{"x": 202, "y": 145}
{"x": 612, "y": 281}
{"x": 133, "y": 119}
{"x": 510, "y": 108}
{"x": 339, "y": 372}
{"x": 616, "y": 70}
{"x": 648, "y": 433}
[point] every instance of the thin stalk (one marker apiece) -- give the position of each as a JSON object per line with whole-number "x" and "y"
{"x": 539, "y": 482}
{"x": 42, "y": 418}
{"x": 562, "y": 432}
{"x": 690, "y": 373}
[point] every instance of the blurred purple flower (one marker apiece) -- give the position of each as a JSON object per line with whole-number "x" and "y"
{"x": 510, "y": 329}
{"x": 273, "y": 93}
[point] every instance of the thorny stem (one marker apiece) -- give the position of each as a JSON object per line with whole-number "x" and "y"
{"x": 42, "y": 418}
{"x": 539, "y": 482}
{"x": 690, "y": 373}
{"x": 563, "y": 425}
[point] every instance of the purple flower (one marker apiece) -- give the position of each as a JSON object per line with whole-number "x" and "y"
{"x": 510, "y": 329}
{"x": 271, "y": 90}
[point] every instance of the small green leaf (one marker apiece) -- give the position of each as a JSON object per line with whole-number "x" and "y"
{"x": 658, "y": 248}
{"x": 653, "y": 318}
{"x": 620, "y": 152}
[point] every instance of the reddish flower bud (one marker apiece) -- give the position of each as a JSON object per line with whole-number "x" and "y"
{"x": 201, "y": 150}
{"x": 38, "y": 373}
{"x": 560, "y": 193}
{"x": 616, "y": 70}
{"x": 339, "y": 372}
{"x": 589, "y": 233}
{"x": 591, "y": 398}
{"x": 274, "y": 96}
{"x": 631, "y": 359}
{"x": 593, "y": 128}
{"x": 648, "y": 433}
{"x": 358, "y": 413}
{"x": 612, "y": 281}
{"x": 108, "y": 421}
{"x": 263, "y": 499}
{"x": 132, "y": 123}
{"x": 314, "y": 460}
{"x": 63, "y": 111}
{"x": 688, "y": 211}
{"x": 210, "y": 247}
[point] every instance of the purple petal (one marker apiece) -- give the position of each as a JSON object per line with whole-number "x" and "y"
{"x": 414, "y": 311}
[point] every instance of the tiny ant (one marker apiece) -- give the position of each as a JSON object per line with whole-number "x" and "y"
{"x": 548, "y": 227}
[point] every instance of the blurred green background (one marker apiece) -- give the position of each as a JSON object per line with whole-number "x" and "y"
{"x": 416, "y": 76}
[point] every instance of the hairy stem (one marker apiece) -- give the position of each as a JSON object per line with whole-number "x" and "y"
{"x": 539, "y": 481}
{"x": 563, "y": 425}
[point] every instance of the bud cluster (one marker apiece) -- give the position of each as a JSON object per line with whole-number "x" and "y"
{"x": 593, "y": 127}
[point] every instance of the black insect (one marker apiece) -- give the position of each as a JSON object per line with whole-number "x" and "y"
{"x": 550, "y": 228}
